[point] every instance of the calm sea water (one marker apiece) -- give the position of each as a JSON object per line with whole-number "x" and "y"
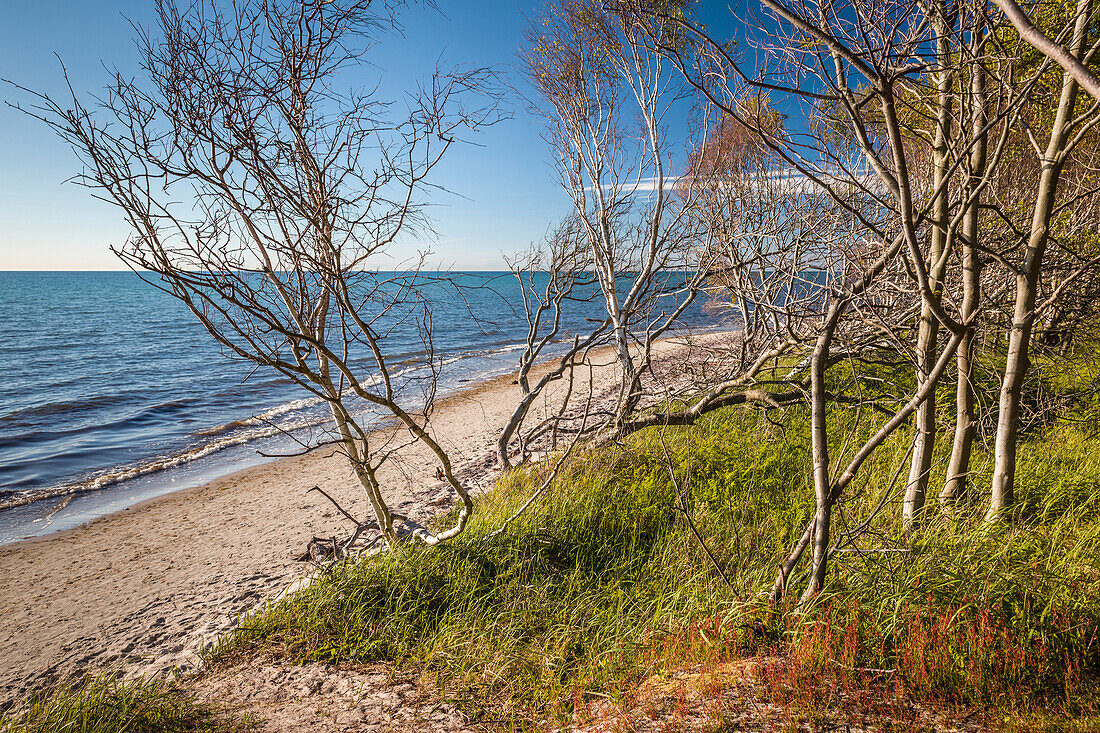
{"x": 112, "y": 393}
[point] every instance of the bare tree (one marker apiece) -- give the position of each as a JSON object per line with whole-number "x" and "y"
{"x": 855, "y": 70}
{"x": 265, "y": 198}
{"x": 769, "y": 253}
{"x": 605, "y": 93}
{"x": 975, "y": 117}
{"x": 553, "y": 280}
{"x": 898, "y": 84}
{"x": 1068, "y": 129}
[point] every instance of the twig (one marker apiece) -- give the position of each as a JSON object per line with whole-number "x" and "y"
{"x": 687, "y": 515}
{"x": 336, "y": 504}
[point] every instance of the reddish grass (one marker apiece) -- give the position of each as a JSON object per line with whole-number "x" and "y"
{"x": 944, "y": 660}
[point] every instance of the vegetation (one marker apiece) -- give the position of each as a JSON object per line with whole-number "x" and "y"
{"x": 603, "y": 583}
{"x": 931, "y": 219}
{"x": 105, "y": 704}
{"x": 269, "y": 212}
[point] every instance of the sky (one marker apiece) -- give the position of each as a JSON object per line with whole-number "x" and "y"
{"x": 504, "y": 193}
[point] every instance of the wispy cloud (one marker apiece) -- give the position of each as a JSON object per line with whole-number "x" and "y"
{"x": 798, "y": 182}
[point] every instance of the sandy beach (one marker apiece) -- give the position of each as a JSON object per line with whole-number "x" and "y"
{"x": 146, "y": 589}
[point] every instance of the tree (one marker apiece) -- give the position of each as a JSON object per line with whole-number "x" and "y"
{"x": 918, "y": 107}
{"x": 1066, "y": 131}
{"x": 551, "y": 277}
{"x": 262, "y": 196}
{"x": 605, "y": 94}
{"x": 1067, "y": 58}
{"x": 852, "y": 67}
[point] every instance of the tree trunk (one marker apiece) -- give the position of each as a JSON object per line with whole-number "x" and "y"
{"x": 1027, "y": 284}
{"x": 779, "y": 588}
{"x": 509, "y": 430}
{"x": 966, "y": 424}
{"x": 364, "y": 473}
{"x": 819, "y": 442}
{"x": 916, "y": 491}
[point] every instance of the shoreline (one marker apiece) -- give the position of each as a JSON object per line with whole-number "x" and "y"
{"x": 51, "y": 514}
{"x": 144, "y": 590}
{"x": 234, "y": 474}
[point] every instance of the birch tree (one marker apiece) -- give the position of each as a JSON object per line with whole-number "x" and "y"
{"x": 1068, "y": 129}
{"x": 859, "y": 71}
{"x": 263, "y": 191}
{"x": 605, "y": 93}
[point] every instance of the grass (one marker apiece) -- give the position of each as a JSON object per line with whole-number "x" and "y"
{"x": 106, "y": 704}
{"x": 589, "y": 591}
{"x": 1004, "y": 617}
{"x": 602, "y": 583}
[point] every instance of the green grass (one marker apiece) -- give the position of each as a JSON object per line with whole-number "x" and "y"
{"x": 602, "y": 583}
{"x": 106, "y": 704}
{"x": 1007, "y": 615}
{"x": 591, "y": 589}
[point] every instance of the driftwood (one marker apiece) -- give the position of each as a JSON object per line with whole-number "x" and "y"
{"x": 321, "y": 549}
{"x": 327, "y": 550}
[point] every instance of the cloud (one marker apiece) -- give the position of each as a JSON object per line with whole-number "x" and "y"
{"x": 798, "y": 181}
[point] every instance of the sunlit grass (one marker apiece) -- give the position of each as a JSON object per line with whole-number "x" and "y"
{"x": 106, "y": 704}
{"x": 602, "y": 583}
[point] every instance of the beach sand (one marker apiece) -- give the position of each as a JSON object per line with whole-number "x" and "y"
{"x": 146, "y": 589}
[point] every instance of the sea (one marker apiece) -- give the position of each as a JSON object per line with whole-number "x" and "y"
{"x": 112, "y": 393}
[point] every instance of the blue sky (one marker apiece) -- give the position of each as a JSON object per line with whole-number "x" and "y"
{"x": 505, "y": 193}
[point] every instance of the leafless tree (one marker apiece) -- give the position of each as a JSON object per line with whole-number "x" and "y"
{"x": 265, "y": 198}
{"x": 554, "y": 280}
{"x": 973, "y": 100}
{"x": 1070, "y": 126}
{"x": 605, "y": 93}
{"x": 857, "y": 70}
{"x": 770, "y": 253}
{"x": 900, "y": 105}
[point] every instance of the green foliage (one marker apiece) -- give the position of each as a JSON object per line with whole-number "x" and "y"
{"x": 602, "y": 582}
{"x": 1058, "y": 477}
{"x": 106, "y": 704}
{"x": 751, "y": 473}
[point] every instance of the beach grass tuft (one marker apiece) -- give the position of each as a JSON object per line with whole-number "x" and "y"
{"x": 107, "y": 704}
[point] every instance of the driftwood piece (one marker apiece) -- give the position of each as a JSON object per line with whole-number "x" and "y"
{"x": 328, "y": 550}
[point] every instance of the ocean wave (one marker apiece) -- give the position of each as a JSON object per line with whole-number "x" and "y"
{"x": 245, "y": 430}
{"x": 263, "y": 418}
{"x": 34, "y": 413}
{"x": 118, "y": 475}
{"x": 16, "y": 432}
{"x": 509, "y": 348}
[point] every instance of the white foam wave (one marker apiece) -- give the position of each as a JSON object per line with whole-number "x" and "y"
{"x": 232, "y": 434}
{"x": 155, "y": 465}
